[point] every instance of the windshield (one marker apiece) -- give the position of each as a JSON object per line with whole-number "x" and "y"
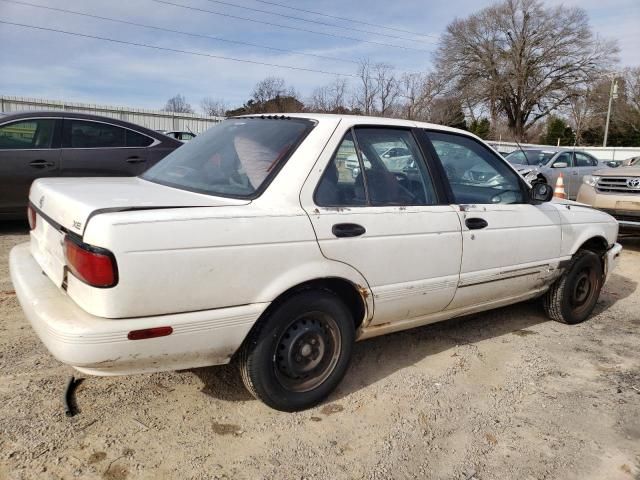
{"x": 234, "y": 158}
{"x": 533, "y": 157}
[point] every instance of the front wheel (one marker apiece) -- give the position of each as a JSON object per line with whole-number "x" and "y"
{"x": 299, "y": 353}
{"x": 572, "y": 298}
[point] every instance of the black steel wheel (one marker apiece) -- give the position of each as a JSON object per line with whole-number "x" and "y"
{"x": 572, "y": 298}
{"x": 298, "y": 353}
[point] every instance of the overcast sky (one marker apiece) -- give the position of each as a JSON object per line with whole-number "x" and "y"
{"x": 56, "y": 66}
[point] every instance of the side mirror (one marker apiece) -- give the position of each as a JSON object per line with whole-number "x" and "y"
{"x": 560, "y": 165}
{"x": 541, "y": 192}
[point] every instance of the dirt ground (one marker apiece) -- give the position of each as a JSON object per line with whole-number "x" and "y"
{"x": 502, "y": 395}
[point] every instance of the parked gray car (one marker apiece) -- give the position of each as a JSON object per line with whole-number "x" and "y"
{"x": 546, "y": 165}
{"x": 65, "y": 144}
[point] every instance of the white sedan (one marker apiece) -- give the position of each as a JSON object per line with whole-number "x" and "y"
{"x": 254, "y": 243}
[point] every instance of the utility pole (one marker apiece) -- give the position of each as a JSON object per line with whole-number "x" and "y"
{"x": 613, "y": 93}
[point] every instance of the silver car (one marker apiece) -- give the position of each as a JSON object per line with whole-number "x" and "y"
{"x": 546, "y": 165}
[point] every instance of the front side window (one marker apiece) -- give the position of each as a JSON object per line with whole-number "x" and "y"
{"x": 387, "y": 169}
{"x": 236, "y": 157}
{"x": 565, "y": 157}
{"x": 27, "y": 134}
{"x": 475, "y": 173}
{"x": 87, "y": 134}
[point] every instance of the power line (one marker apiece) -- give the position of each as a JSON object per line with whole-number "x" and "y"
{"x": 290, "y": 27}
{"x": 346, "y": 19}
{"x": 176, "y": 50}
{"x": 162, "y": 29}
{"x": 318, "y": 22}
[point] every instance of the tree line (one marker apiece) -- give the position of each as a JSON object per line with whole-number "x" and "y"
{"x": 516, "y": 70}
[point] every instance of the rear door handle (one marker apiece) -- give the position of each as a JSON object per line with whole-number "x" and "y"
{"x": 347, "y": 230}
{"x": 41, "y": 164}
{"x": 135, "y": 159}
{"x": 475, "y": 223}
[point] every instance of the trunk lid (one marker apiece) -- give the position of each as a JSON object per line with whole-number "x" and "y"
{"x": 67, "y": 204}
{"x": 71, "y": 202}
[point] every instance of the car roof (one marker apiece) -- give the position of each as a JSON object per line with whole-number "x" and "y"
{"x": 361, "y": 119}
{"x": 10, "y": 116}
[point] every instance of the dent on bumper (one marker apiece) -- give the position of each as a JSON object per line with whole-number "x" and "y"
{"x": 100, "y": 346}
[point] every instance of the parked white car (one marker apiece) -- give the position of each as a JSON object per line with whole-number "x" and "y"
{"x": 254, "y": 242}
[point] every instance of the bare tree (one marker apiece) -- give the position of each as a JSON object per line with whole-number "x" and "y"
{"x": 214, "y": 107}
{"x": 447, "y": 111}
{"x": 386, "y": 87}
{"x": 365, "y": 95}
{"x": 270, "y": 88}
{"x": 417, "y": 93}
{"x": 330, "y": 98}
{"x": 525, "y": 59}
{"x": 178, "y": 104}
{"x": 580, "y": 110}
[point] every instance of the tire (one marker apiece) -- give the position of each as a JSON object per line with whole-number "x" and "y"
{"x": 298, "y": 354}
{"x": 572, "y": 298}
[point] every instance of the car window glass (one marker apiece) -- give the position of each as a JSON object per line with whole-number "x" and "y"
{"x": 338, "y": 186}
{"x": 394, "y": 171}
{"x": 583, "y": 160}
{"x": 564, "y": 158}
{"x": 27, "y": 134}
{"x": 135, "y": 139}
{"x": 86, "y": 134}
{"x": 475, "y": 173}
{"x": 236, "y": 157}
{"x": 516, "y": 158}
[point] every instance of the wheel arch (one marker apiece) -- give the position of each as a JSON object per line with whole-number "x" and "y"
{"x": 356, "y": 297}
{"x": 597, "y": 244}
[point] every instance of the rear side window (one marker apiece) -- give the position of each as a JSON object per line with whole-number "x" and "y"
{"x": 475, "y": 173}
{"x": 135, "y": 139}
{"x": 583, "y": 160}
{"x": 380, "y": 167}
{"x": 27, "y": 134}
{"x": 236, "y": 157}
{"x": 88, "y": 134}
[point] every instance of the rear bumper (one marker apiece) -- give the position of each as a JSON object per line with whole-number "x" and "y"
{"x": 100, "y": 346}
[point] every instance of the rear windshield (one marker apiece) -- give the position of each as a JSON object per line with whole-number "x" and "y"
{"x": 235, "y": 158}
{"x": 532, "y": 157}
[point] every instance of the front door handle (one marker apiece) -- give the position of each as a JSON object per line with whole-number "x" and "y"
{"x": 135, "y": 159}
{"x": 347, "y": 230}
{"x": 475, "y": 223}
{"x": 41, "y": 164}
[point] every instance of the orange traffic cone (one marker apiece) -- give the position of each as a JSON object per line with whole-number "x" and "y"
{"x": 559, "y": 192}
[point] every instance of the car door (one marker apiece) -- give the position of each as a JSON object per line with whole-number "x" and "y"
{"x": 94, "y": 148}
{"x": 510, "y": 246}
{"x": 395, "y": 228}
{"x": 29, "y": 149}
{"x": 555, "y": 167}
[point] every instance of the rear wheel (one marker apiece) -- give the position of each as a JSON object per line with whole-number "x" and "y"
{"x": 572, "y": 298}
{"x": 299, "y": 353}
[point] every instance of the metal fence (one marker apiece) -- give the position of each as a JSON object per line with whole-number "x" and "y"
{"x": 155, "y": 120}
{"x": 601, "y": 153}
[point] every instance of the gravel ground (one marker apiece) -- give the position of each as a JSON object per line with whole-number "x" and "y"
{"x": 502, "y": 395}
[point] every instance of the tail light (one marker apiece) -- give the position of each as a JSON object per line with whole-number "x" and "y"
{"x": 31, "y": 213}
{"x": 92, "y": 265}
